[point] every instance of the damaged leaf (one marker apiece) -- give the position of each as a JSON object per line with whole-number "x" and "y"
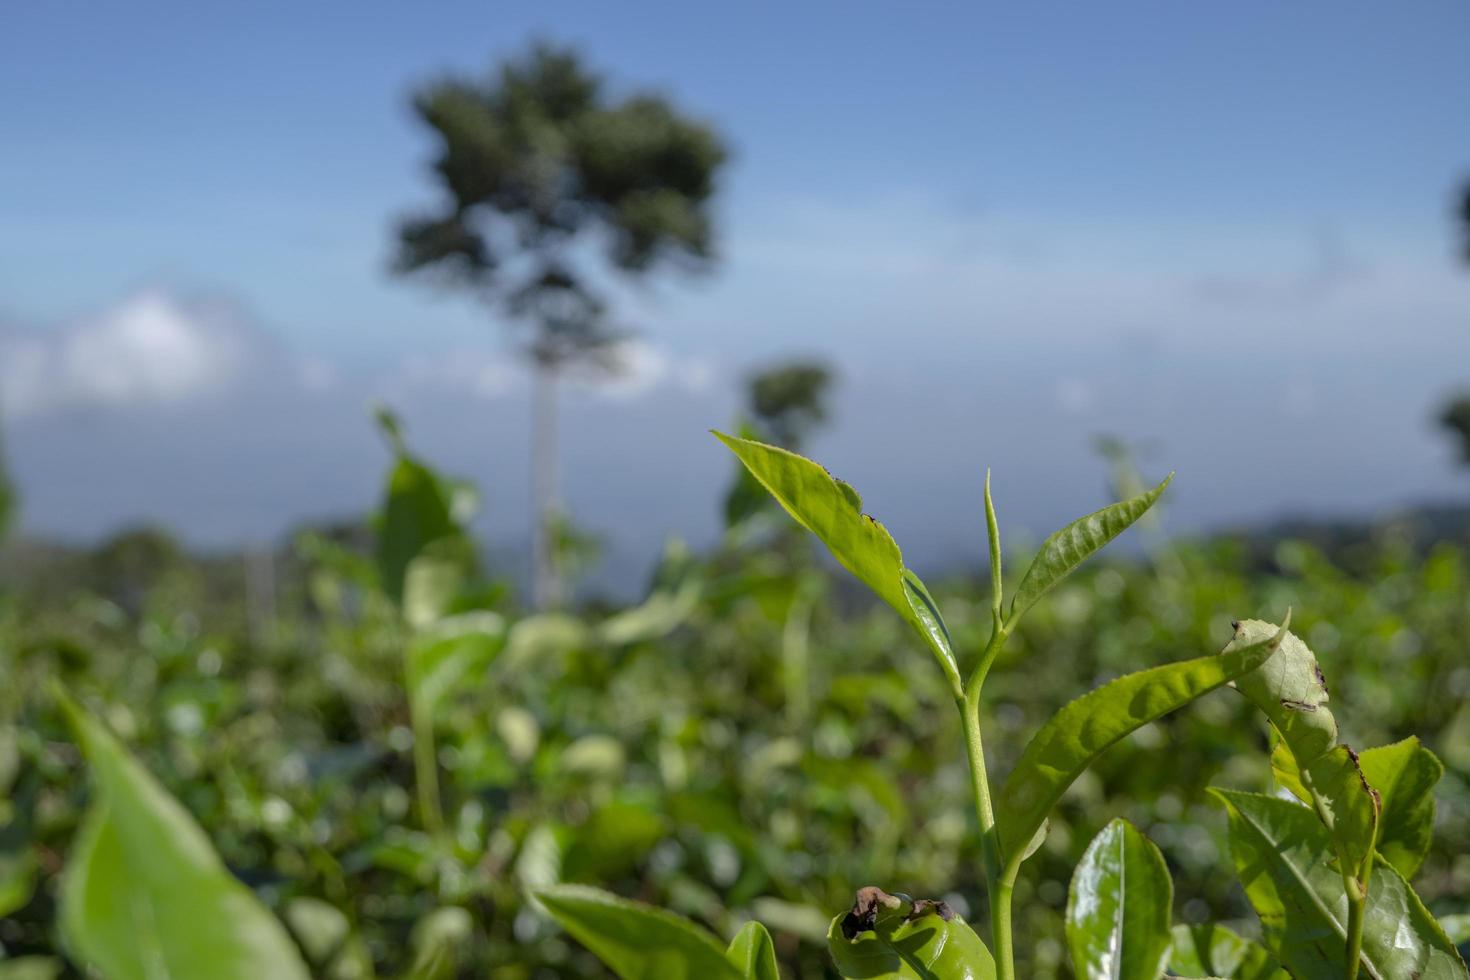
{"x": 894, "y": 937}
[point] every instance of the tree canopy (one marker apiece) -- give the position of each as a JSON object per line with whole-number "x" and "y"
{"x": 538, "y": 157}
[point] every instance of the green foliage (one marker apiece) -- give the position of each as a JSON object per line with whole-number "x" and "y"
{"x": 1284, "y": 856}
{"x": 1069, "y": 547}
{"x": 635, "y": 941}
{"x": 744, "y": 742}
{"x": 1072, "y": 738}
{"x": 832, "y": 510}
{"x": 753, "y": 953}
{"x": 418, "y": 521}
{"x": 1215, "y": 951}
{"x": 893, "y": 937}
{"x": 145, "y": 895}
{"x": 1118, "y": 908}
{"x": 1404, "y": 775}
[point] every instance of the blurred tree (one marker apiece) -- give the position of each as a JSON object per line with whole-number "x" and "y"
{"x": 1464, "y": 219}
{"x": 540, "y": 170}
{"x": 790, "y": 400}
{"x": 785, "y": 404}
{"x": 1455, "y": 416}
{"x": 7, "y": 497}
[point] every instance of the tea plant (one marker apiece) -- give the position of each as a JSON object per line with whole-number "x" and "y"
{"x": 653, "y": 749}
{"x": 1320, "y": 872}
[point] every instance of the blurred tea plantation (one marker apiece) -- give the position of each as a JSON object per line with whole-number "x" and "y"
{"x": 391, "y": 753}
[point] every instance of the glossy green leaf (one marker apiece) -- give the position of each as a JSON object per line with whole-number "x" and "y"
{"x": 1404, "y": 774}
{"x": 1291, "y": 691}
{"x": 145, "y": 896}
{"x": 753, "y": 953}
{"x": 832, "y": 510}
{"x": 1083, "y": 729}
{"x": 1215, "y": 951}
{"x": 1119, "y": 907}
{"x": 1075, "y": 543}
{"x": 892, "y": 937}
{"x": 635, "y": 941}
{"x": 1283, "y": 856}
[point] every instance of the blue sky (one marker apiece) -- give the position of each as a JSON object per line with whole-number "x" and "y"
{"x": 1221, "y": 229}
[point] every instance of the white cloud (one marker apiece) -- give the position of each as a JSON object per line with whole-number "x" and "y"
{"x": 643, "y": 368}
{"x": 152, "y": 348}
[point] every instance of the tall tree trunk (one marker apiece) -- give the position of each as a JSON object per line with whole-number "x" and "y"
{"x": 545, "y": 577}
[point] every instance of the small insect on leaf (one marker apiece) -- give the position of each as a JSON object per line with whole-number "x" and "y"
{"x": 894, "y": 937}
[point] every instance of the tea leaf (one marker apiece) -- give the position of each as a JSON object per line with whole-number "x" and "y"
{"x": 417, "y": 511}
{"x": 753, "y": 953}
{"x": 1215, "y": 951}
{"x": 635, "y": 941}
{"x": 455, "y": 648}
{"x": 1074, "y": 544}
{"x": 1404, "y": 774}
{"x": 1077, "y": 734}
{"x": 1344, "y": 794}
{"x": 892, "y": 937}
{"x": 144, "y": 894}
{"x": 1118, "y": 908}
{"x": 1282, "y": 854}
{"x": 1291, "y": 691}
{"x": 832, "y": 510}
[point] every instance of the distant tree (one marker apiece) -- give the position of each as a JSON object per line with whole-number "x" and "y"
{"x": 785, "y": 403}
{"x": 790, "y": 400}
{"x": 7, "y": 497}
{"x": 1464, "y": 219}
{"x": 1455, "y": 419}
{"x": 541, "y": 171}
{"x": 1455, "y": 416}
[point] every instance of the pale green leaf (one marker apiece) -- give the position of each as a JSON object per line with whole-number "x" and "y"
{"x": 1074, "y": 544}
{"x": 1215, "y": 951}
{"x": 1457, "y": 927}
{"x": 1083, "y": 729}
{"x": 832, "y": 510}
{"x": 1290, "y": 690}
{"x": 892, "y": 937}
{"x": 1119, "y": 907}
{"x": 753, "y": 953}
{"x": 453, "y": 650}
{"x": 1283, "y": 857}
{"x": 441, "y": 942}
{"x": 144, "y": 895}
{"x": 635, "y": 941}
{"x": 659, "y": 615}
{"x": 430, "y": 585}
{"x": 1404, "y": 774}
